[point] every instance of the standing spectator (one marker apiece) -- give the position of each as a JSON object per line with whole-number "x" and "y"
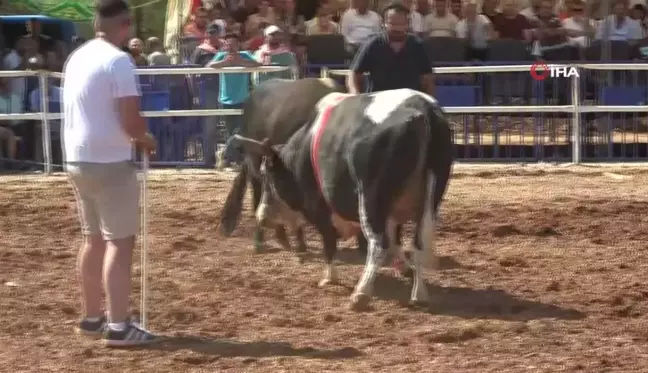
{"x": 217, "y": 16}
{"x": 234, "y": 89}
{"x": 415, "y": 18}
{"x": 77, "y": 41}
{"x": 476, "y": 29}
{"x": 359, "y": 23}
{"x": 618, "y": 26}
{"x": 489, "y": 9}
{"x": 578, "y": 26}
{"x": 440, "y": 23}
{"x": 207, "y": 87}
{"x": 102, "y": 121}
{"x": 10, "y": 103}
{"x": 322, "y": 23}
{"x": 136, "y": 50}
{"x": 638, "y": 13}
{"x": 157, "y": 55}
{"x": 43, "y": 42}
{"x": 265, "y": 15}
{"x": 393, "y": 59}
{"x": 287, "y": 18}
{"x": 510, "y": 24}
{"x": 197, "y": 26}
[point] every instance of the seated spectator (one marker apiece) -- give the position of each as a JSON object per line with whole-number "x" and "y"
{"x": 510, "y": 24}
{"x": 288, "y": 19}
{"x": 639, "y": 13}
{"x": 548, "y": 32}
{"x": 10, "y": 103}
{"x": 619, "y": 26}
{"x": 257, "y": 40}
{"x": 274, "y": 44}
{"x": 156, "y": 56}
{"x": 490, "y": 9}
{"x": 579, "y": 27}
{"x": 440, "y": 23}
{"x": 415, "y": 18}
{"x": 477, "y": 30}
{"x": 531, "y": 12}
{"x": 197, "y": 26}
{"x": 322, "y": 23}
{"x": 423, "y": 7}
{"x": 135, "y": 48}
{"x": 233, "y": 90}
{"x": 12, "y": 60}
{"x": 265, "y": 14}
{"x": 358, "y": 23}
{"x": 216, "y": 15}
{"x": 456, "y": 8}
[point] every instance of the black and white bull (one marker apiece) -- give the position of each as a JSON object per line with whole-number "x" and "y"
{"x": 363, "y": 163}
{"x": 275, "y": 110}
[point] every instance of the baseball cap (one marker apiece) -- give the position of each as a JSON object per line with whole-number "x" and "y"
{"x": 271, "y": 30}
{"x": 213, "y": 28}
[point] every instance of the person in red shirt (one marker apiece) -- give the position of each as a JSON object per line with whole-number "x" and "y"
{"x": 197, "y": 27}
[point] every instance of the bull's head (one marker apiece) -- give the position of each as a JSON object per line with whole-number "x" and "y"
{"x": 281, "y": 198}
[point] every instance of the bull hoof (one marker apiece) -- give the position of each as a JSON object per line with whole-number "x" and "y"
{"x": 359, "y": 302}
{"x": 258, "y": 242}
{"x": 302, "y": 248}
{"x": 326, "y": 282}
{"x": 419, "y": 303}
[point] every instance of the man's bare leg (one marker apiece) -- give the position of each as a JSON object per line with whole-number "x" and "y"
{"x": 89, "y": 267}
{"x": 117, "y": 279}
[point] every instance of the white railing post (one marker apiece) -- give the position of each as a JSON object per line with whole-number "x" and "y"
{"x": 576, "y": 137}
{"x": 324, "y": 73}
{"x": 45, "y": 127}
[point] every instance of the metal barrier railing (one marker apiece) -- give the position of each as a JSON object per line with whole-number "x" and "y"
{"x": 574, "y": 109}
{"x": 45, "y": 116}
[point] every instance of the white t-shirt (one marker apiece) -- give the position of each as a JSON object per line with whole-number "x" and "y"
{"x": 96, "y": 74}
{"x": 357, "y": 28}
{"x": 416, "y": 22}
{"x": 480, "y": 34}
{"x": 571, "y": 24}
{"x": 443, "y": 26}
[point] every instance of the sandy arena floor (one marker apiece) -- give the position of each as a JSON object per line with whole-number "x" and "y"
{"x": 543, "y": 269}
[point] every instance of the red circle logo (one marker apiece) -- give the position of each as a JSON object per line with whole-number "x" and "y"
{"x": 539, "y": 71}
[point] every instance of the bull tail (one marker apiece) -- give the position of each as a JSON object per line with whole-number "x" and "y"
{"x": 231, "y": 211}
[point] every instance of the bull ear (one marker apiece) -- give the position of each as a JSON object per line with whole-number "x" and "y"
{"x": 250, "y": 145}
{"x": 277, "y": 148}
{"x": 266, "y": 147}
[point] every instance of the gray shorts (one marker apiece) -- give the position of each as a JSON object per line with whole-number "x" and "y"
{"x": 107, "y": 196}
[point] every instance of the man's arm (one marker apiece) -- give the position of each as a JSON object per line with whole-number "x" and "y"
{"x": 127, "y": 97}
{"x": 425, "y": 65}
{"x": 362, "y": 63}
{"x": 248, "y": 60}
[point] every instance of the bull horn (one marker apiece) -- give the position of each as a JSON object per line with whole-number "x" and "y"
{"x": 250, "y": 145}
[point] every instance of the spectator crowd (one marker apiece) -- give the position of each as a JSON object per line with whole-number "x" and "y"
{"x": 277, "y": 32}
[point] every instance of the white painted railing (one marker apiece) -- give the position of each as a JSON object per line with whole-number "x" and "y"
{"x": 575, "y": 108}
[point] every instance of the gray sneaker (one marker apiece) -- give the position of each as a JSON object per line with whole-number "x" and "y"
{"x": 132, "y": 336}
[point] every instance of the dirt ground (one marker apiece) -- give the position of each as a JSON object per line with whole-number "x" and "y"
{"x": 543, "y": 269}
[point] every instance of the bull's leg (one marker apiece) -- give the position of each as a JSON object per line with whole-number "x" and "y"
{"x": 282, "y": 238}
{"x": 373, "y": 221}
{"x": 424, "y": 245}
{"x": 362, "y": 244}
{"x": 401, "y": 263}
{"x": 301, "y": 243}
{"x": 330, "y": 248}
{"x": 256, "y": 199}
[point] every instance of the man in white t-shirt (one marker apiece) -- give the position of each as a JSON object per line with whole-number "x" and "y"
{"x": 415, "y": 18}
{"x": 358, "y": 23}
{"x": 101, "y": 122}
{"x": 440, "y": 23}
